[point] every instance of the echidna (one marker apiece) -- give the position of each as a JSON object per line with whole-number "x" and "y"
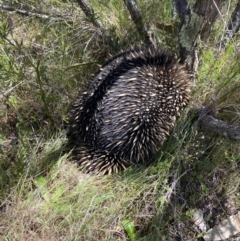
{"x": 127, "y": 110}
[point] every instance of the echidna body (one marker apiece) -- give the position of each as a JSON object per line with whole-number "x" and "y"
{"x": 127, "y": 110}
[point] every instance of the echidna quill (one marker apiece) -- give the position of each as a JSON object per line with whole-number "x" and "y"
{"x": 128, "y": 110}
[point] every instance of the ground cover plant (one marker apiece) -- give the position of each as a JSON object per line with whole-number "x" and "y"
{"x": 46, "y": 58}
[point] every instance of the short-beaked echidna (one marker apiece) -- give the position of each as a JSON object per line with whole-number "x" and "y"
{"x": 127, "y": 110}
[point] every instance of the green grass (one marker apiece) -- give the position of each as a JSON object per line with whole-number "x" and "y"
{"x": 43, "y": 196}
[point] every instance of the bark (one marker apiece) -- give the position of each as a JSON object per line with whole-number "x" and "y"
{"x": 195, "y": 23}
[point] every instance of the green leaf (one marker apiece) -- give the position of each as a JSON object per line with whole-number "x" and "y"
{"x": 129, "y": 228}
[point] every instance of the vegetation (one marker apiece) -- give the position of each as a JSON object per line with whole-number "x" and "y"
{"x": 44, "y": 63}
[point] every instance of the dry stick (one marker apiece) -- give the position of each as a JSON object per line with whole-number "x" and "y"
{"x": 137, "y": 19}
{"x": 89, "y": 12}
{"x": 37, "y": 15}
{"x": 221, "y": 127}
{"x": 225, "y": 129}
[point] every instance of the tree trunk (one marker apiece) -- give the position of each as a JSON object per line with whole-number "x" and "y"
{"x": 195, "y": 23}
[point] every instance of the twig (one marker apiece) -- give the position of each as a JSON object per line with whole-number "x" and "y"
{"x": 225, "y": 129}
{"x": 89, "y": 12}
{"x": 172, "y": 189}
{"x": 34, "y": 14}
{"x": 4, "y": 95}
{"x": 137, "y": 19}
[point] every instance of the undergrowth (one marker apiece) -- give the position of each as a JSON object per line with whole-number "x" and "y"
{"x": 43, "y": 196}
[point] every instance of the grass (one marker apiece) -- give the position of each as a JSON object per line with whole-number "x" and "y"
{"x": 43, "y": 196}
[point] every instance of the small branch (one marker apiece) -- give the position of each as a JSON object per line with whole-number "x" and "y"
{"x": 168, "y": 195}
{"x": 137, "y": 19}
{"x": 34, "y": 14}
{"x": 89, "y": 12}
{"x": 4, "y": 95}
{"x": 225, "y": 129}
